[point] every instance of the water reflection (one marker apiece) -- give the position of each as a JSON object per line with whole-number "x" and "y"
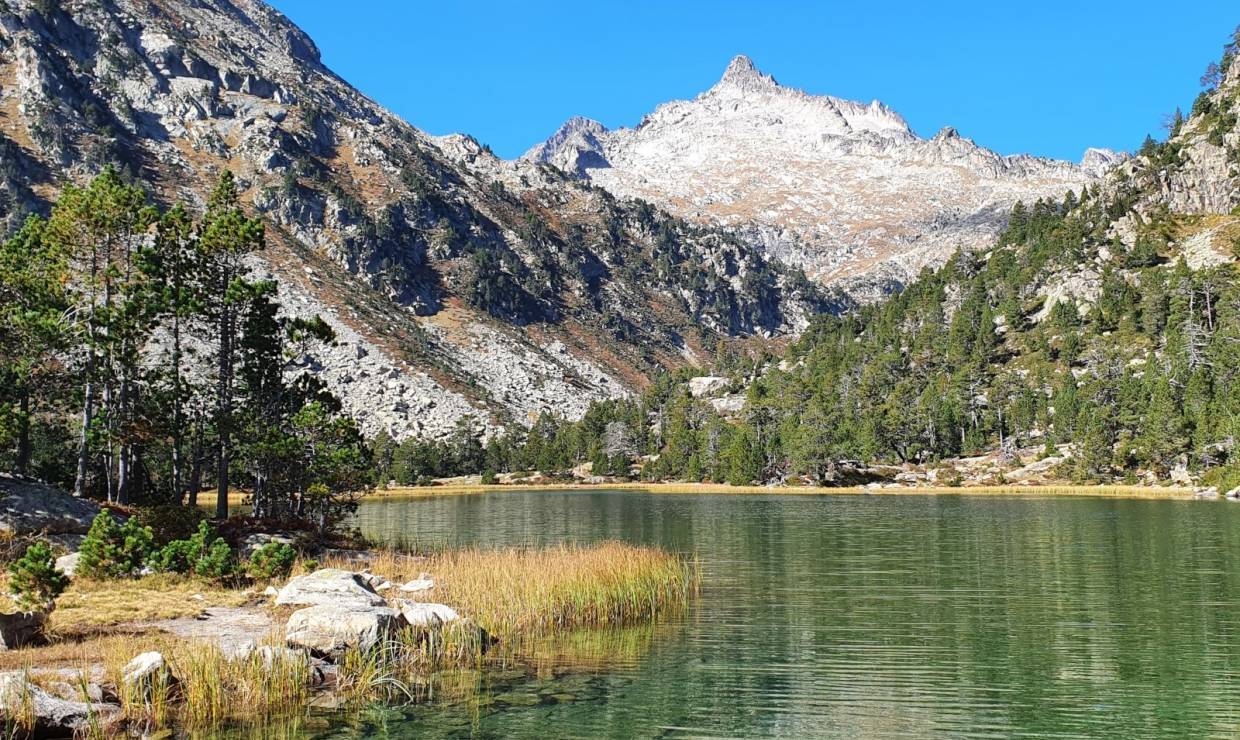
{"x": 879, "y": 617}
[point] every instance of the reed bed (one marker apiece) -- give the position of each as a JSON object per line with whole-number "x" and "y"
{"x": 537, "y": 591}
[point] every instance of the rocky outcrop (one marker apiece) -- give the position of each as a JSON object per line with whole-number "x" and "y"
{"x": 333, "y": 629}
{"x": 329, "y": 586}
{"x": 30, "y": 507}
{"x": 845, "y": 190}
{"x": 22, "y": 700}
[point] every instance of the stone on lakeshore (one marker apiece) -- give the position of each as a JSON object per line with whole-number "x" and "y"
{"x": 1211, "y": 492}
{"x": 329, "y": 586}
{"x": 146, "y": 670}
{"x": 1233, "y": 494}
{"x": 53, "y": 716}
{"x": 272, "y": 654}
{"x": 423, "y": 582}
{"x": 430, "y": 616}
{"x": 21, "y": 628}
{"x": 377, "y": 582}
{"x": 271, "y": 591}
{"x": 331, "y": 630}
{"x": 68, "y": 564}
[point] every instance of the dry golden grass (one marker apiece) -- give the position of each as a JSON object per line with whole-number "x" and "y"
{"x": 518, "y": 591}
{"x": 90, "y": 606}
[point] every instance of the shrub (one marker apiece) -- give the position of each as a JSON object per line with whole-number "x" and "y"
{"x": 218, "y": 562}
{"x": 34, "y": 580}
{"x": 272, "y": 560}
{"x": 488, "y": 478}
{"x": 115, "y": 551}
{"x": 204, "y": 554}
{"x": 171, "y": 522}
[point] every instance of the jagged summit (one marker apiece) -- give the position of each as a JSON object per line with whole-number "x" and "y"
{"x": 844, "y": 189}
{"x": 741, "y": 74}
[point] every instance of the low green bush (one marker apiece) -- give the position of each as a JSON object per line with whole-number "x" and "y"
{"x": 272, "y": 560}
{"x": 113, "y": 550}
{"x": 204, "y": 554}
{"x": 34, "y": 580}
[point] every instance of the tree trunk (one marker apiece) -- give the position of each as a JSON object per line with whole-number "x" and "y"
{"x": 88, "y": 409}
{"x": 22, "y": 464}
{"x": 223, "y": 415}
{"x": 178, "y": 436}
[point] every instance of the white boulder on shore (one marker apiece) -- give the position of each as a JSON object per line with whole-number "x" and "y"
{"x": 332, "y": 630}
{"x": 329, "y": 586}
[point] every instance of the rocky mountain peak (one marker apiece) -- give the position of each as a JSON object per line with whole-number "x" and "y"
{"x": 743, "y": 76}
{"x": 842, "y": 189}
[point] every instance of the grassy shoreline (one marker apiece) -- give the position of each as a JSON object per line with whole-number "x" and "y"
{"x": 568, "y": 600}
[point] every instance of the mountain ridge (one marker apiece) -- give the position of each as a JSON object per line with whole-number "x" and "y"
{"x": 812, "y": 178}
{"x": 466, "y": 286}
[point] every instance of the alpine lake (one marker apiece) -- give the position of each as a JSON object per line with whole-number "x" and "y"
{"x": 845, "y": 616}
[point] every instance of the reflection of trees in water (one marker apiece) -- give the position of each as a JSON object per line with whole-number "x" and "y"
{"x": 887, "y": 615}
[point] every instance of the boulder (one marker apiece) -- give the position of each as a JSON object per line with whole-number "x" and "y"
{"x": 68, "y": 564}
{"x": 376, "y": 582}
{"x": 272, "y": 654}
{"x": 29, "y": 507}
{"x": 331, "y": 587}
{"x": 430, "y": 616}
{"x": 21, "y": 628}
{"x": 423, "y": 582}
{"x": 145, "y": 670}
{"x": 331, "y": 630}
{"x": 1233, "y": 494}
{"x": 255, "y": 542}
{"x": 52, "y": 715}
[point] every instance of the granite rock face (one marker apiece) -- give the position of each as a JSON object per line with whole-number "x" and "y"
{"x": 29, "y": 507}
{"x": 329, "y": 586}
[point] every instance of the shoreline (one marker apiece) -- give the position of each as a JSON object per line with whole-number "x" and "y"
{"x": 1041, "y": 490}
{"x": 1016, "y": 491}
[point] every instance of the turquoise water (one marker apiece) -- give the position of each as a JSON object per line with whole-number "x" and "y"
{"x": 856, "y": 616}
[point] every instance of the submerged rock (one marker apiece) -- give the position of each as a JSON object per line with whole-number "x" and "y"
{"x": 329, "y": 586}
{"x": 332, "y": 630}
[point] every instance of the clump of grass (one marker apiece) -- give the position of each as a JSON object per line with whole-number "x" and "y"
{"x": 538, "y": 591}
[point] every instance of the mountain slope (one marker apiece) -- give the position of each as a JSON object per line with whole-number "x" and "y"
{"x": 460, "y": 285}
{"x": 843, "y": 189}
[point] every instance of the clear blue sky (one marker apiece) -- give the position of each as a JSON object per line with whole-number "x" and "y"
{"x": 1050, "y": 77}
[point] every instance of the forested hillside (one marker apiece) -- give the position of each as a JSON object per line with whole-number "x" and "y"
{"x": 1102, "y": 331}
{"x": 139, "y": 361}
